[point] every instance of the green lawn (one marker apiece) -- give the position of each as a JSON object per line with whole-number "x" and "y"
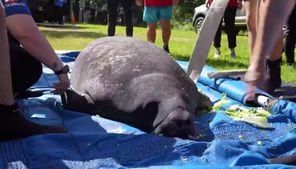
{"x": 181, "y": 45}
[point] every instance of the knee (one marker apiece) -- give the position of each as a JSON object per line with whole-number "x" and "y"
{"x": 251, "y": 24}
{"x": 166, "y": 26}
{"x": 151, "y": 27}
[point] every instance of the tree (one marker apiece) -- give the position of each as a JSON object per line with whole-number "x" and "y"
{"x": 183, "y": 13}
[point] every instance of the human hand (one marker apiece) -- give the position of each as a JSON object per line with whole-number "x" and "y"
{"x": 62, "y": 85}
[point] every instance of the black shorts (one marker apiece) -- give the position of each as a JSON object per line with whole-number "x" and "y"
{"x": 25, "y": 69}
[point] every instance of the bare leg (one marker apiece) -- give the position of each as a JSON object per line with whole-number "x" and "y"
{"x": 166, "y": 32}
{"x": 251, "y": 7}
{"x": 268, "y": 33}
{"x": 6, "y": 95}
{"x": 151, "y": 32}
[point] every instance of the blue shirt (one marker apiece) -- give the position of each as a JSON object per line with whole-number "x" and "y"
{"x": 59, "y": 3}
{"x": 16, "y": 7}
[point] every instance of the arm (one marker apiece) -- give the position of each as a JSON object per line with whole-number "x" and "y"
{"x": 24, "y": 29}
{"x": 6, "y": 96}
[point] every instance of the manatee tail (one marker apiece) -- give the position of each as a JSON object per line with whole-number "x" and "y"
{"x": 76, "y": 102}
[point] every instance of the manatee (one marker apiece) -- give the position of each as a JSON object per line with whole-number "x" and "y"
{"x": 134, "y": 82}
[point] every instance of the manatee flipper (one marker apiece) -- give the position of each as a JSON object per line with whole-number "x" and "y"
{"x": 76, "y": 102}
{"x": 289, "y": 160}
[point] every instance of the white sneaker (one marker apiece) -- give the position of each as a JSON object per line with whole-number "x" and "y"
{"x": 232, "y": 53}
{"x": 217, "y": 53}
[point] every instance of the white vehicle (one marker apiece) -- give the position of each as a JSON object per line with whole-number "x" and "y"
{"x": 200, "y": 13}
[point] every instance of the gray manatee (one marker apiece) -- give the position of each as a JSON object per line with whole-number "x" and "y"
{"x": 135, "y": 82}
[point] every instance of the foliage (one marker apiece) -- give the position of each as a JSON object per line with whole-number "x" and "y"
{"x": 183, "y": 13}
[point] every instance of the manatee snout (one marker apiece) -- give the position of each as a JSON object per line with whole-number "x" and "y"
{"x": 179, "y": 123}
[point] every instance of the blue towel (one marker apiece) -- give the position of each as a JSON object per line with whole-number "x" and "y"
{"x": 94, "y": 142}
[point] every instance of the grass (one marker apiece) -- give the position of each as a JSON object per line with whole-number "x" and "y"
{"x": 77, "y": 37}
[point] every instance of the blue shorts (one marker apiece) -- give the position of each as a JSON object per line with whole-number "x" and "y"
{"x": 154, "y": 14}
{"x": 16, "y": 7}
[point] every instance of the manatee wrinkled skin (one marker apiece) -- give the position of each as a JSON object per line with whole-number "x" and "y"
{"x": 135, "y": 82}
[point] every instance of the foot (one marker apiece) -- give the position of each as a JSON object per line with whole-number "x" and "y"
{"x": 14, "y": 126}
{"x": 232, "y": 53}
{"x": 217, "y": 53}
{"x": 255, "y": 79}
{"x": 166, "y": 48}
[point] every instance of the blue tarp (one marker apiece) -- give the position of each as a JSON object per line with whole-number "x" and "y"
{"x": 95, "y": 142}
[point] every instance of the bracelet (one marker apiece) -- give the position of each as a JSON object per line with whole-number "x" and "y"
{"x": 64, "y": 70}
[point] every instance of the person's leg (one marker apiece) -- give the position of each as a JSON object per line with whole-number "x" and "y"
{"x": 150, "y": 15}
{"x": 25, "y": 69}
{"x": 112, "y": 16}
{"x": 60, "y": 15}
{"x": 217, "y": 41}
{"x": 166, "y": 33}
{"x": 251, "y": 7}
{"x": 166, "y": 14}
{"x": 127, "y": 7}
{"x": 229, "y": 19}
{"x": 151, "y": 32}
{"x": 6, "y": 94}
{"x": 291, "y": 38}
{"x": 269, "y": 32}
{"x": 273, "y": 62}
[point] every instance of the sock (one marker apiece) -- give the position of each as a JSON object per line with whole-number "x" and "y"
{"x": 274, "y": 73}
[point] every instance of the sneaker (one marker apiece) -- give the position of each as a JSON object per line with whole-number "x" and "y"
{"x": 217, "y": 53}
{"x": 166, "y": 48}
{"x": 291, "y": 64}
{"x": 232, "y": 53}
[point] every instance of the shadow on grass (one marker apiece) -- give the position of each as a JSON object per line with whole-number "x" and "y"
{"x": 223, "y": 63}
{"x": 72, "y": 33}
{"x": 180, "y": 57}
{"x": 65, "y": 26}
{"x": 217, "y": 63}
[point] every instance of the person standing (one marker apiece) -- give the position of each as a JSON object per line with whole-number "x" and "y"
{"x": 93, "y": 9}
{"x": 58, "y": 6}
{"x": 158, "y": 11}
{"x": 113, "y": 14}
{"x": 290, "y": 38}
{"x": 230, "y": 30}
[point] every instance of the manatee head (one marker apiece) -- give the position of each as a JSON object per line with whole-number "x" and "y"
{"x": 178, "y": 123}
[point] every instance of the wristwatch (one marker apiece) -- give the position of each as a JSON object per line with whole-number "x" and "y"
{"x": 64, "y": 70}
